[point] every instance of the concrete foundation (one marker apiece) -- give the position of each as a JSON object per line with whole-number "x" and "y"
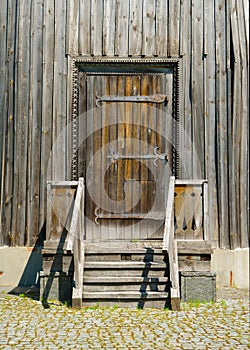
{"x": 20, "y": 266}
{"x": 231, "y": 267}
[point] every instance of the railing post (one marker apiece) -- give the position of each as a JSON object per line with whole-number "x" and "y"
{"x": 170, "y": 246}
{"x": 168, "y": 215}
{"x": 76, "y": 243}
{"x": 205, "y": 212}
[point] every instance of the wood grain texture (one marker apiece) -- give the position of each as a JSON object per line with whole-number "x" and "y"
{"x": 121, "y": 33}
{"x": 212, "y": 39}
{"x": 161, "y": 29}
{"x": 210, "y": 123}
{"x": 96, "y": 27}
{"x": 135, "y": 28}
{"x": 109, "y": 15}
{"x": 197, "y": 91}
{"x": 173, "y": 28}
{"x": 34, "y": 141}
{"x": 72, "y": 25}
{"x": 47, "y": 103}
{"x": 84, "y": 27}
{"x": 148, "y": 28}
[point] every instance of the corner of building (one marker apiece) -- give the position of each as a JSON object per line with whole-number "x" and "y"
{"x": 19, "y": 266}
{"x": 231, "y": 267}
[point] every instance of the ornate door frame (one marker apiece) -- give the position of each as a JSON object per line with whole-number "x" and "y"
{"x": 76, "y": 64}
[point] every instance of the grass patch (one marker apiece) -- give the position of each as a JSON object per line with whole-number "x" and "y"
{"x": 196, "y": 303}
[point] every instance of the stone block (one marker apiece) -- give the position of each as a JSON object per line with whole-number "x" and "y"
{"x": 198, "y": 286}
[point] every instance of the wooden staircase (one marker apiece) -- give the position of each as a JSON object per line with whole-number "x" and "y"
{"x": 120, "y": 273}
{"x": 135, "y": 277}
{"x": 123, "y": 273}
{"x": 129, "y": 272}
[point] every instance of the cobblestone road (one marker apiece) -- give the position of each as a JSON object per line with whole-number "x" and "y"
{"x": 26, "y": 324}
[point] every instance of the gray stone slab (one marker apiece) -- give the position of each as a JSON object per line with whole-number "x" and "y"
{"x": 198, "y": 286}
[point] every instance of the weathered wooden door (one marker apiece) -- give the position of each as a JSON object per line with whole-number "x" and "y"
{"x": 125, "y": 131}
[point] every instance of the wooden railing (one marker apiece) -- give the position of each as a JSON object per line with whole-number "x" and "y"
{"x": 75, "y": 243}
{"x": 170, "y": 246}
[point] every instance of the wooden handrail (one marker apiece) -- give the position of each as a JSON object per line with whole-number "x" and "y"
{"x": 75, "y": 244}
{"x": 169, "y": 214}
{"x": 170, "y": 246}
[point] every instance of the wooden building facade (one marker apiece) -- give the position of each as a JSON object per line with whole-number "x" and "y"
{"x": 204, "y": 43}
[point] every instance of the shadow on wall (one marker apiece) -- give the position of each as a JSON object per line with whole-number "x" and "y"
{"x": 29, "y": 281}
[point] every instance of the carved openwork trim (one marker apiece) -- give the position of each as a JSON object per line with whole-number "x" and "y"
{"x": 99, "y": 65}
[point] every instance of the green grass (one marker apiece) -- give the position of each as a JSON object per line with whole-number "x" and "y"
{"x": 196, "y": 303}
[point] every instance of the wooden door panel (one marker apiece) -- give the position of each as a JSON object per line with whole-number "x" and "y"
{"x": 122, "y": 185}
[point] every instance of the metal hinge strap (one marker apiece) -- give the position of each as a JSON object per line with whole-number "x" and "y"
{"x": 155, "y": 156}
{"x": 157, "y": 98}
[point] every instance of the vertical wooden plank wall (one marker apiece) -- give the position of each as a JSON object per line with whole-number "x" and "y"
{"x": 210, "y": 37}
{"x": 47, "y": 98}
{"x": 9, "y": 121}
{"x": 3, "y": 111}
{"x": 210, "y": 116}
{"x": 21, "y": 121}
{"x": 35, "y": 119}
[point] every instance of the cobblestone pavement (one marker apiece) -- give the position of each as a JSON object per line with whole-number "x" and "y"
{"x": 26, "y": 324}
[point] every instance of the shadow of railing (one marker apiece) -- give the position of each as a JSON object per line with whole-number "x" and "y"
{"x": 152, "y": 283}
{"x": 65, "y": 279}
